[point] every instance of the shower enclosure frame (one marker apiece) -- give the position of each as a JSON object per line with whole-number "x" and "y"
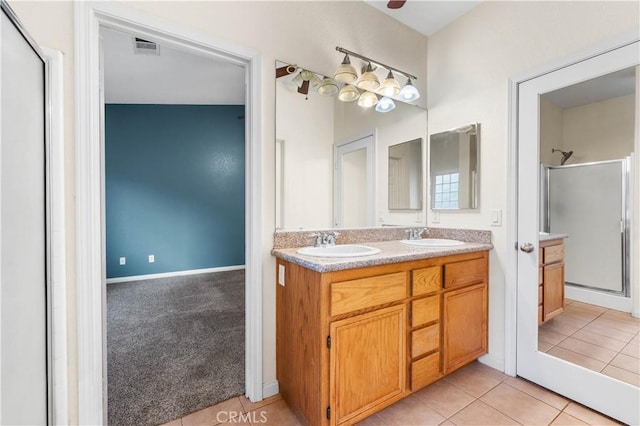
{"x": 625, "y": 223}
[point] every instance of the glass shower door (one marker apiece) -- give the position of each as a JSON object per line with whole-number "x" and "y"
{"x": 588, "y": 202}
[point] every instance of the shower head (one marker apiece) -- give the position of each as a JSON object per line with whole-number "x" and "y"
{"x": 565, "y": 155}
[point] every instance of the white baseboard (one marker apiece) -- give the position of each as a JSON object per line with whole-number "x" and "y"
{"x": 492, "y": 361}
{"x": 606, "y": 300}
{"x": 173, "y": 274}
{"x": 270, "y": 389}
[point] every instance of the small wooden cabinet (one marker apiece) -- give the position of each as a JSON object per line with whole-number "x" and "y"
{"x": 350, "y": 343}
{"x": 551, "y": 280}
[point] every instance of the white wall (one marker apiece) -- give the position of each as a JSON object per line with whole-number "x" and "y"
{"x": 469, "y": 65}
{"x": 600, "y": 130}
{"x": 306, "y": 127}
{"x": 550, "y": 132}
{"x": 305, "y": 33}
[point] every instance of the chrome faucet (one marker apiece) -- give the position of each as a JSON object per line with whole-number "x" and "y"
{"x": 325, "y": 238}
{"x": 416, "y": 233}
{"x": 330, "y": 238}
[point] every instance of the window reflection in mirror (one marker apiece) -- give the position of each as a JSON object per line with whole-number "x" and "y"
{"x": 454, "y": 168}
{"x": 405, "y": 175}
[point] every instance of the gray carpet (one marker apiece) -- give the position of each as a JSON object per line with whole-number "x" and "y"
{"x": 175, "y": 345}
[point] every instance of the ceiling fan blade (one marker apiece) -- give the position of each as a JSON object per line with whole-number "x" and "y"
{"x": 304, "y": 87}
{"x": 286, "y": 70}
{"x": 396, "y": 4}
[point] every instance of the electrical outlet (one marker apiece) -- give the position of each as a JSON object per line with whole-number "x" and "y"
{"x": 123, "y": 261}
{"x": 152, "y": 258}
{"x": 419, "y": 217}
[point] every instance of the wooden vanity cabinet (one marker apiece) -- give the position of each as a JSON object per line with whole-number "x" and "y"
{"x": 350, "y": 343}
{"x": 551, "y": 280}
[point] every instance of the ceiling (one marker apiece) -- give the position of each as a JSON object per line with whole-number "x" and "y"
{"x": 426, "y": 17}
{"x": 619, "y": 83}
{"x": 173, "y": 77}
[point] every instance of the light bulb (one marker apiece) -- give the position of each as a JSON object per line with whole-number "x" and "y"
{"x": 367, "y": 100}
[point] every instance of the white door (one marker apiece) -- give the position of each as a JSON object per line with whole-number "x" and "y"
{"x": 605, "y": 394}
{"x": 354, "y": 183}
{"x": 23, "y": 253}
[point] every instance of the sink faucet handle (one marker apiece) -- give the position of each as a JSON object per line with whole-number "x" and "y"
{"x": 330, "y": 237}
{"x": 318, "y": 238}
{"x": 423, "y": 231}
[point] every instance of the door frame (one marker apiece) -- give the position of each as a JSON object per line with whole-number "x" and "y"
{"x": 91, "y": 297}
{"x": 57, "y": 386}
{"x": 512, "y": 180}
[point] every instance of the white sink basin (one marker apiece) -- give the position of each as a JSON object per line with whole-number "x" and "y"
{"x": 343, "y": 250}
{"x": 433, "y": 242}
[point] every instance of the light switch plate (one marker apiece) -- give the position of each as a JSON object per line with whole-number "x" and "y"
{"x": 281, "y": 275}
{"x": 152, "y": 258}
{"x": 123, "y": 260}
{"x": 496, "y": 217}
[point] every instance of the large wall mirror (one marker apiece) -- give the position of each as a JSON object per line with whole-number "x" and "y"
{"x": 332, "y": 160}
{"x": 454, "y": 168}
{"x": 586, "y": 140}
{"x": 405, "y": 175}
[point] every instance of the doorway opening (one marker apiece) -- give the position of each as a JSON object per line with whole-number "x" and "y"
{"x": 174, "y": 142}
{"x": 91, "y": 301}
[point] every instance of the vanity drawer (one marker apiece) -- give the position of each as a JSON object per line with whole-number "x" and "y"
{"x": 426, "y": 280}
{"x": 425, "y": 340}
{"x": 425, "y": 371}
{"x": 553, "y": 253}
{"x": 425, "y": 310}
{"x": 465, "y": 273}
{"x": 349, "y": 296}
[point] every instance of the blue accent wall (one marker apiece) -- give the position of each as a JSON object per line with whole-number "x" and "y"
{"x": 174, "y": 187}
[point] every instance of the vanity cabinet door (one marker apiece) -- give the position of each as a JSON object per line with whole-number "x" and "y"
{"x": 464, "y": 326}
{"x": 553, "y": 291}
{"x": 368, "y": 362}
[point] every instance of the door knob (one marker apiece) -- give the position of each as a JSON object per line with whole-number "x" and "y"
{"x": 527, "y": 247}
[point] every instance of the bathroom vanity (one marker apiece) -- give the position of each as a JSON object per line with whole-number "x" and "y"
{"x": 550, "y": 277}
{"x": 356, "y": 335}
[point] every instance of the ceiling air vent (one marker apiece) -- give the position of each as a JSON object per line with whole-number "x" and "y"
{"x": 145, "y": 47}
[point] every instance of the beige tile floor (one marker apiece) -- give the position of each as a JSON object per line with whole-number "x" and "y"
{"x": 474, "y": 395}
{"x": 597, "y": 338}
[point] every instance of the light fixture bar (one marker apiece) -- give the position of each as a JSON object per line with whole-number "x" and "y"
{"x": 364, "y": 58}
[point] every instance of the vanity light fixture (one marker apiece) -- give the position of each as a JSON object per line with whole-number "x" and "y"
{"x": 409, "y": 92}
{"x": 390, "y": 86}
{"x": 346, "y": 72}
{"x": 328, "y": 87}
{"x": 348, "y": 93}
{"x": 385, "y": 104}
{"x": 367, "y": 100}
{"x": 369, "y": 80}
